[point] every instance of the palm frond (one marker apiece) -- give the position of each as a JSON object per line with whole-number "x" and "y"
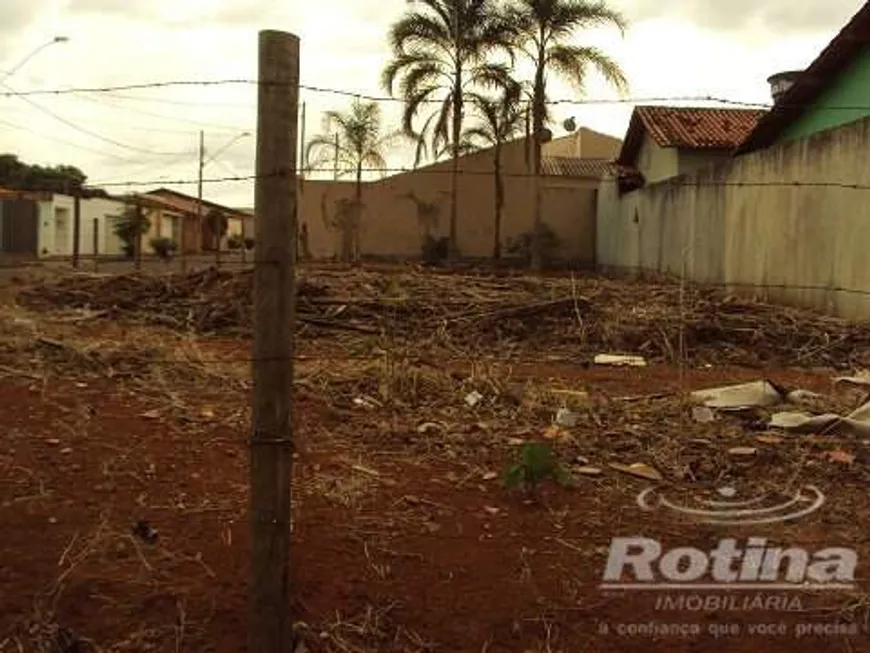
{"x": 567, "y": 16}
{"x": 397, "y": 68}
{"x": 413, "y": 103}
{"x": 443, "y": 9}
{"x": 573, "y": 62}
{"x": 419, "y": 31}
{"x": 422, "y": 74}
{"x": 480, "y": 135}
{"x": 351, "y": 139}
{"x": 441, "y": 128}
{"x": 490, "y": 76}
{"x": 437, "y": 46}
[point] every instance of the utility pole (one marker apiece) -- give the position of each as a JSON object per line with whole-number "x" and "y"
{"x": 96, "y": 243}
{"x": 274, "y": 323}
{"x": 303, "y": 167}
{"x": 303, "y": 160}
{"x": 335, "y": 163}
{"x": 199, "y": 186}
{"x": 77, "y": 226}
{"x": 137, "y": 242}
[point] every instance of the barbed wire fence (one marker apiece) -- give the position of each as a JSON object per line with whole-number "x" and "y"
{"x": 241, "y": 258}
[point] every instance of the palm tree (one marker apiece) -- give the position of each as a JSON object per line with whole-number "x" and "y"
{"x": 353, "y": 140}
{"x": 441, "y": 51}
{"x": 545, "y": 29}
{"x": 500, "y": 119}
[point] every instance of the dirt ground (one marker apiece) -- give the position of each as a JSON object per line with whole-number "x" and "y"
{"x": 404, "y": 538}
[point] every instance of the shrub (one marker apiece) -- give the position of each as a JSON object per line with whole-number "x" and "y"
{"x": 435, "y": 250}
{"x": 537, "y": 463}
{"x": 163, "y": 247}
{"x": 235, "y": 242}
{"x": 130, "y": 226}
{"x": 249, "y": 244}
{"x": 521, "y": 246}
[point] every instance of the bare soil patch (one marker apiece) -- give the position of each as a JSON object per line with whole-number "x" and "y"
{"x": 404, "y": 537}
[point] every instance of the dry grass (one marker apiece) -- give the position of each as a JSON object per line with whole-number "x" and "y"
{"x": 392, "y": 407}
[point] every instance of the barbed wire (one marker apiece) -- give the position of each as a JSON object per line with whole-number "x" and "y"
{"x": 57, "y": 139}
{"x": 181, "y": 182}
{"x": 72, "y": 125}
{"x": 387, "y": 98}
{"x": 485, "y": 173}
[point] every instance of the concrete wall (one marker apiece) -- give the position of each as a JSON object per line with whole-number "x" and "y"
{"x": 656, "y": 163}
{"x": 584, "y": 144}
{"x": 844, "y": 102}
{"x": 755, "y": 236}
{"x": 693, "y": 160}
{"x": 398, "y": 208}
{"x": 56, "y": 224}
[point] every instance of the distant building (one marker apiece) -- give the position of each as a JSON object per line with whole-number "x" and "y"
{"x": 664, "y": 142}
{"x": 832, "y": 92}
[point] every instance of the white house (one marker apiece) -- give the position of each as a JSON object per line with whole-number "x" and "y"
{"x": 56, "y": 215}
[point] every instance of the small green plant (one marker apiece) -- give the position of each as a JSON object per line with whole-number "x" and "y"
{"x": 435, "y": 250}
{"x": 521, "y": 246}
{"x": 218, "y": 224}
{"x": 537, "y": 464}
{"x": 163, "y": 247}
{"x": 129, "y": 227}
{"x": 249, "y": 244}
{"x": 235, "y": 242}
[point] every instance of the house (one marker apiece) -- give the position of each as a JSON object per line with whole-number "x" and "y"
{"x": 784, "y": 217}
{"x": 401, "y": 210}
{"x": 19, "y": 223}
{"x": 664, "y": 142}
{"x": 832, "y": 92}
{"x": 180, "y": 215}
{"x": 42, "y": 223}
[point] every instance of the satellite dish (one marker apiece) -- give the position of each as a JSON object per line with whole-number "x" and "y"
{"x": 570, "y": 125}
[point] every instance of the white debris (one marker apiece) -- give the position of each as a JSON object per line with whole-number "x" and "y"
{"x": 740, "y": 397}
{"x": 473, "y": 398}
{"x": 613, "y": 360}
{"x": 566, "y": 418}
{"x": 856, "y": 422}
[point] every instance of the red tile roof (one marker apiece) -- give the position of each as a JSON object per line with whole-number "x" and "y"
{"x": 166, "y": 203}
{"x": 13, "y": 194}
{"x": 565, "y": 166}
{"x": 688, "y": 127}
{"x": 815, "y": 80}
{"x": 187, "y": 204}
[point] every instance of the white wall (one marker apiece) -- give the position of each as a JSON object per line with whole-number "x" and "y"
{"x": 56, "y": 225}
{"x": 789, "y": 223}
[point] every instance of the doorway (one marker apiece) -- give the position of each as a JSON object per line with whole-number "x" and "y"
{"x": 62, "y": 245}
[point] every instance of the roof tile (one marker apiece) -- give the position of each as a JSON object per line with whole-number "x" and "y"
{"x": 699, "y": 127}
{"x": 563, "y": 166}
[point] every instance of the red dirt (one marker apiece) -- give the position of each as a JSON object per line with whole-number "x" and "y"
{"x": 458, "y": 574}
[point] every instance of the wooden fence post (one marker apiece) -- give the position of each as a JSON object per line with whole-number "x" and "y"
{"x": 137, "y": 241}
{"x": 274, "y": 316}
{"x": 77, "y": 227}
{"x": 96, "y": 243}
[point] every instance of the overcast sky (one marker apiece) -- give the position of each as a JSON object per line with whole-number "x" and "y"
{"x": 674, "y": 48}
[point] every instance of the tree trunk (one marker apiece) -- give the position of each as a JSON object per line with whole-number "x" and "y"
{"x": 499, "y": 203}
{"x": 356, "y": 215}
{"x": 538, "y": 111}
{"x": 453, "y": 249}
